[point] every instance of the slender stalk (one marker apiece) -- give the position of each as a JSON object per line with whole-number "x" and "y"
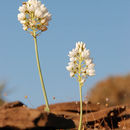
{"x": 81, "y": 111}
{"x": 80, "y": 91}
{"x": 40, "y": 73}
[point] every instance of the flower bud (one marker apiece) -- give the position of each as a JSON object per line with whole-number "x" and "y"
{"x": 22, "y": 9}
{"x": 38, "y": 13}
{"x": 21, "y": 16}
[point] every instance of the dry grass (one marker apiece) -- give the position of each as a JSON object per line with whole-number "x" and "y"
{"x": 112, "y": 91}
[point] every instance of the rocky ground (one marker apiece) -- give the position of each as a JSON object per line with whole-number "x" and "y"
{"x": 17, "y": 116}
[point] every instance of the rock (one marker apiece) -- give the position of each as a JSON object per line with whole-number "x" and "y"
{"x": 94, "y": 116}
{"x": 16, "y": 115}
{"x": 11, "y": 105}
{"x": 72, "y": 108}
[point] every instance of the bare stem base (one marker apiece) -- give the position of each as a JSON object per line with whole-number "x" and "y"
{"x": 81, "y": 111}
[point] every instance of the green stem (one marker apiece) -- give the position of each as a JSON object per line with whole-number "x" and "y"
{"x": 81, "y": 111}
{"x": 40, "y": 73}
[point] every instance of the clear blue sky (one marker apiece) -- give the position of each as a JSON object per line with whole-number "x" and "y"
{"x": 104, "y": 25}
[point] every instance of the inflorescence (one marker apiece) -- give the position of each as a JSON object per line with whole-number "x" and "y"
{"x": 34, "y": 16}
{"x": 81, "y": 65}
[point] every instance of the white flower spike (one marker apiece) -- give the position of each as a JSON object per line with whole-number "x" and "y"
{"x": 81, "y": 65}
{"x": 34, "y": 16}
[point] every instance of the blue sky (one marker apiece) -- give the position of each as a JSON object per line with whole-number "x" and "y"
{"x": 103, "y": 25}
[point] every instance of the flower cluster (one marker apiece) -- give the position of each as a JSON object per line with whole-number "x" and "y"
{"x": 80, "y": 65}
{"x": 34, "y": 16}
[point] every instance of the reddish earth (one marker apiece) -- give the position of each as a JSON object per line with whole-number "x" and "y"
{"x": 17, "y": 116}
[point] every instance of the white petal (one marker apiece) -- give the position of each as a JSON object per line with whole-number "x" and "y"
{"x": 84, "y": 55}
{"x": 38, "y": 13}
{"x": 88, "y": 61}
{"x": 43, "y": 21}
{"x": 91, "y": 66}
{"x": 21, "y": 16}
{"x": 22, "y": 21}
{"x": 25, "y": 28}
{"x": 71, "y": 64}
{"x": 72, "y": 53}
{"x": 43, "y": 8}
{"x": 72, "y": 59}
{"x": 91, "y": 72}
{"x": 39, "y": 3}
{"x": 69, "y": 68}
{"x": 77, "y": 45}
{"x": 31, "y": 8}
{"x": 84, "y": 45}
{"x": 87, "y": 53}
{"x": 22, "y": 9}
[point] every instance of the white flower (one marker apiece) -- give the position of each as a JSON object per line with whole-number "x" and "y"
{"x": 72, "y": 53}
{"x": 80, "y": 45}
{"x": 46, "y": 14}
{"x": 69, "y": 68}
{"x": 80, "y": 65}
{"x": 91, "y": 72}
{"x": 22, "y": 9}
{"x": 38, "y": 13}
{"x": 30, "y": 8}
{"x": 71, "y": 64}
{"x": 21, "y": 16}
{"x": 39, "y": 3}
{"x": 72, "y": 59}
{"x": 43, "y": 21}
{"x": 22, "y": 21}
{"x": 25, "y": 27}
{"x": 33, "y": 2}
{"x": 85, "y": 53}
{"x": 88, "y": 61}
{"x": 43, "y": 8}
{"x": 91, "y": 66}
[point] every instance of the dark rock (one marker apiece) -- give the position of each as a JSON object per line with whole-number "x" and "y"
{"x": 11, "y": 105}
